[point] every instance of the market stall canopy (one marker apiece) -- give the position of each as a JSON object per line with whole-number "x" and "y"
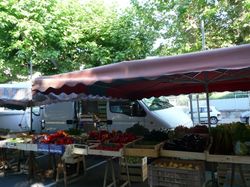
{"x": 15, "y": 95}
{"x": 225, "y": 69}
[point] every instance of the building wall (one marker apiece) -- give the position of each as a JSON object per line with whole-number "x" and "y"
{"x": 234, "y": 104}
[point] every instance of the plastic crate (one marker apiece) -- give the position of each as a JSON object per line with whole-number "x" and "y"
{"x": 161, "y": 174}
{"x": 224, "y": 174}
{"x": 43, "y": 147}
{"x": 53, "y": 148}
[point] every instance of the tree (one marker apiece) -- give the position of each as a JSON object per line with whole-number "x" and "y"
{"x": 60, "y": 36}
{"x": 227, "y": 22}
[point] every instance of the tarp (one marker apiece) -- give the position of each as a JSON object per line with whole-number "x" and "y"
{"x": 15, "y": 95}
{"x": 224, "y": 69}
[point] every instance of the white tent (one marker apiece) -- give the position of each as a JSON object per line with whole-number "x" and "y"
{"x": 15, "y": 95}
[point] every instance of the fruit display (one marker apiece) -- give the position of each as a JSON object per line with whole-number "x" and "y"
{"x": 176, "y": 165}
{"x": 109, "y": 141}
{"x": 59, "y": 138}
{"x": 113, "y": 137}
{"x": 16, "y": 140}
{"x": 109, "y": 146}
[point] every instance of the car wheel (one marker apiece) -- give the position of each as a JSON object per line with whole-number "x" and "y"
{"x": 213, "y": 120}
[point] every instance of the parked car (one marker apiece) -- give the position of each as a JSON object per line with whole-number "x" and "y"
{"x": 215, "y": 115}
{"x": 245, "y": 117}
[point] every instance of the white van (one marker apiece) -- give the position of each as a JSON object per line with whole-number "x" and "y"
{"x": 18, "y": 120}
{"x": 115, "y": 115}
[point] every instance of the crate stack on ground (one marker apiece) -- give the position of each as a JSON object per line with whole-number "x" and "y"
{"x": 137, "y": 167}
{"x": 176, "y": 173}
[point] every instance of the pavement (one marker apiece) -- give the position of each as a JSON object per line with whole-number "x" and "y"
{"x": 94, "y": 176}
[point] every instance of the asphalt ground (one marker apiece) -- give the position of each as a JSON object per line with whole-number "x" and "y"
{"x": 93, "y": 177}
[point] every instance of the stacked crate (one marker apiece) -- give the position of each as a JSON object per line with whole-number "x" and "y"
{"x": 176, "y": 173}
{"x": 137, "y": 167}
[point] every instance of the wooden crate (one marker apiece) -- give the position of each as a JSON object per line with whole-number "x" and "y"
{"x": 136, "y": 149}
{"x": 162, "y": 174}
{"x": 138, "y": 172}
{"x": 93, "y": 151}
{"x": 183, "y": 154}
{"x": 227, "y": 158}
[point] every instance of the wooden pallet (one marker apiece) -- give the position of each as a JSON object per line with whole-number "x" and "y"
{"x": 136, "y": 149}
{"x": 137, "y": 172}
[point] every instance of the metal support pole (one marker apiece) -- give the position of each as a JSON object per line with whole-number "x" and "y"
{"x": 203, "y": 35}
{"x": 191, "y": 107}
{"x": 208, "y": 106}
{"x": 31, "y": 120}
{"x": 198, "y": 108}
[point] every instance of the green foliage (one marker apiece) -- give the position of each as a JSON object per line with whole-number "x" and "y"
{"x": 61, "y": 36}
{"x": 226, "y": 23}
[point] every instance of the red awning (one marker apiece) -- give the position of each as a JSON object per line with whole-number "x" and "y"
{"x": 225, "y": 69}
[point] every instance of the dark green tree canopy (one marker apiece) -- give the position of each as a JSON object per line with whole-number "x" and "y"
{"x": 226, "y": 23}
{"x": 60, "y": 36}
{"x": 63, "y": 35}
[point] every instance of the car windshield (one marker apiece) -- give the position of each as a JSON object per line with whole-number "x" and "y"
{"x": 157, "y": 103}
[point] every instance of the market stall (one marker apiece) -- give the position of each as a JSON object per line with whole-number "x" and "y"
{"x": 226, "y": 69}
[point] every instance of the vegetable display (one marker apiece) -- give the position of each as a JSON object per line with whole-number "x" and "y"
{"x": 189, "y": 142}
{"x": 230, "y": 139}
{"x": 194, "y": 139}
{"x": 111, "y": 141}
{"x": 113, "y": 137}
{"x": 59, "y": 138}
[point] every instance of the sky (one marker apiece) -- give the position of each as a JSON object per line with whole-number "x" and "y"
{"x": 121, "y": 3}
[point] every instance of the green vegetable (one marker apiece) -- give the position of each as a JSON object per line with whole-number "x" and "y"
{"x": 241, "y": 148}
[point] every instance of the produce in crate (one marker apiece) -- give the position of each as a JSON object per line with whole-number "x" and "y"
{"x": 134, "y": 160}
{"x": 113, "y": 137}
{"x": 59, "y": 138}
{"x": 189, "y": 142}
{"x": 109, "y": 146}
{"x": 194, "y": 139}
{"x": 137, "y": 130}
{"x": 181, "y": 131}
{"x": 177, "y": 165}
{"x": 225, "y": 138}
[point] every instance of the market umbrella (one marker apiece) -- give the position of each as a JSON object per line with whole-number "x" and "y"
{"x": 225, "y": 69}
